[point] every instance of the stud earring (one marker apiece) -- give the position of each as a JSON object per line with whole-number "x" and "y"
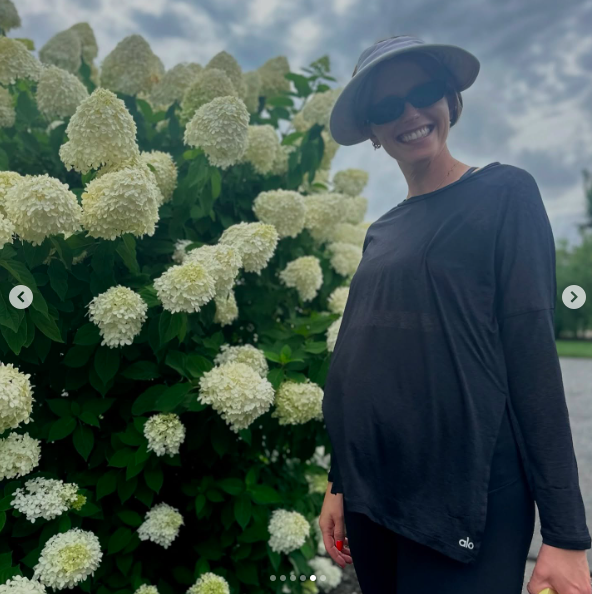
{"x": 376, "y": 145}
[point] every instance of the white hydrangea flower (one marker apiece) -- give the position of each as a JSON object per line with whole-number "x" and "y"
{"x": 317, "y": 483}
{"x": 7, "y": 111}
{"x": 305, "y": 275}
{"x": 180, "y": 250}
{"x": 297, "y": 403}
{"x": 165, "y": 433}
{"x": 68, "y": 558}
{"x": 350, "y": 181}
{"x": 243, "y": 353}
{"x": 41, "y": 206}
{"x": 255, "y": 243}
{"x": 226, "y": 309}
{"x": 64, "y": 50}
{"x": 300, "y": 124}
{"x": 323, "y": 210}
{"x": 355, "y": 210}
{"x": 338, "y": 299}
{"x": 221, "y": 260}
{"x": 161, "y": 525}
{"x": 323, "y": 566}
{"x": 345, "y": 257}
{"x": 6, "y": 230}
{"x": 288, "y": 530}
{"x": 331, "y": 148}
{"x": 318, "y": 107}
{"x": 17, "y": 62}
{"x": 123, "y": 201}
{"x": 263, "y": 145}
{"x": 119, "y": 313}
{"x": 9, "y": 16}
{"x": 185, "y": 287}
{"x": 252, "y": 81}
{"x": 131, "y": 67}
{"x": 348, "y": 233}
{"x": 173, "y": 84}
{"x": 332, "y": 333}
{"x": 209, "y": 583}
{"x": 228, "y": 64}
{"x": 284, "y": 209}
{"x": 19, "y": 455}
{"x": 321, "y": 177}
{"x": 44, "y": 498}
{"x": 59, "y": 93}
{"x": 88, "y": 41}
{"x": 237, "y": 393}
{"x": 165, "y": 171}
{"x": 209, "y": 84}
{"x": 16, "y": 397}
{"x": 20, "y": 584}
{"x": 101, "y": 132}
{"x": 220, "y": 128}
{"x": 273, "y": 79}
{"x": 146, "y": 589}
{"x": 321, "y": 550}
{"x": 280, "y": 163}
{"x": 8, "y": 179}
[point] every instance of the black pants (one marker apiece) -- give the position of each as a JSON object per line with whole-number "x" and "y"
{"x": 389, "y": 563}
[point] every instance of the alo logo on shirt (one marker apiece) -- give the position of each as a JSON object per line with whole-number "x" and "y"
{"x": 467, "y": 544}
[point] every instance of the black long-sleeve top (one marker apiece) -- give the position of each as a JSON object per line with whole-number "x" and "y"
{"x": 449, "y": 320}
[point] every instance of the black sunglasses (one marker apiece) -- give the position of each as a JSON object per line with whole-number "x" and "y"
{"x": 390, "y": 108}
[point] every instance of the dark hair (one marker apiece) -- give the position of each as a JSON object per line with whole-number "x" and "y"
{"x": 430, "y": 64}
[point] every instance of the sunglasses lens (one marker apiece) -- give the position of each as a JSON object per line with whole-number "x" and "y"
{"x": 427, "y": 94}
{"x": 387, "y": 110}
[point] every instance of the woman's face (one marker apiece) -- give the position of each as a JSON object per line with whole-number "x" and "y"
{"x": 409, "y": 74}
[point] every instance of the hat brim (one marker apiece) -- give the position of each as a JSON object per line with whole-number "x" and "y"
{"x": 344, "y": 124}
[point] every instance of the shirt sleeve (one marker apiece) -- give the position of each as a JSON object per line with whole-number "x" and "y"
{"x": 335, "y": 477}
{"x": 526, "y": 292}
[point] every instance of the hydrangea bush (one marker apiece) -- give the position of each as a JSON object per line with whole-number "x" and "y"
{"x": 161, "y": 426}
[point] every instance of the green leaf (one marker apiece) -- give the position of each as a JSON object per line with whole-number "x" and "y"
{"x": 46, "y": 324}
{"x": 149, "y": 295}
{"x": 15, "y": 340}
{"x": 176, "y": 360}
{"x": 131, "y": 518}
{"x": 89, "y": 418}
{"x": 146, "y": 401}
{"x": 87, "y": 335}
{"x": 154, "y": 478}
{"x": 172, "y": 397}
{"x": 127, "y": 252}
{"x": 263, "y": 494}
{"x": 242, "y": 510}
{"x": 24, "y": 277}
{"x": 9, "y": 316}
{"x": 119, "y": 540}
{"x": 141, "y": 370}
{"x": 106, "y": 484}
{"x": 121, "y": 458}
{"x": 170, "y": 325}
{"x": 106, "y": 363}
{"x": 78, "y": 356}
{"x": 61, "y": 428}
{"x": 197, "y": 365}
{"x": 60, "y": 406}
{"x": 216, "y": 181}
{"x": 200, "y": 501}
{"x": 58, "y": 278}
{"x": 246, "y": 572}
{"x": 84, "y": 440}
{"x": 233, "y": 486}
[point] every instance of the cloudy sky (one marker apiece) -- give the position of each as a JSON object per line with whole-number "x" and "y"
{"x": 531, "y": 105}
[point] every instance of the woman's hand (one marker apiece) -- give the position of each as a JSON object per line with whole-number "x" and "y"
{"x": 332, "y": 526}
{"x": 564, "y": 570}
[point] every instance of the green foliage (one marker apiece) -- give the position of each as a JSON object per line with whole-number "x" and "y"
{"x": 92, "y": 401}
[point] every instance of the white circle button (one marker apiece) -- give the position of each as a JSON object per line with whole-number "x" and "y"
{"x": 574, "y": 297}
{"x": 20, "y": 297}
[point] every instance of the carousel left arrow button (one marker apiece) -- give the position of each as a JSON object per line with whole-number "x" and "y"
{"x": 20, "y": 297}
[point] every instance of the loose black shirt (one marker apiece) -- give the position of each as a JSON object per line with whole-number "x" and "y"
{"x": 449, "y": 322}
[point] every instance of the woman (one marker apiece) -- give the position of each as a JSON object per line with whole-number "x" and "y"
{"x": 444, "y": 400}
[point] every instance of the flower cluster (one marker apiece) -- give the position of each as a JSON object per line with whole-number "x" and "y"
{"x": 209, "y": 84}
{"x": 59, "y": 93}
{"x": 273, "y": 79}
{"x": 325, "y": 568}
{"x": 226, "y": 309}
{"x": 9, "y": 16}
{"x": 101, "y": 132}
{"x": 284, "y": 209}
{"x": 165, "y": 433}
{"x": 22, "y": 585}
{"x": 165, "y": 171}
{"x": 17, "y": 62}
{"x": 185, "y": 287}
{"x": 317, "y": 110}
{"x": 68, "y": 558}
{"x": 305, "y": 275}
{"x": 8, "y": 179}
{"x": 161, "y": 525}
{"x": 263, "y": 145}
{"x": 209, "y": 583}
{"x": 228, "y": 64}
{"x": 173, "y": 84}
{"x": 222, "y": 262}
{"x": 348, "y": 233}
{"x": 332, "y": 333}
{"x": 44, "y": 498}
{"x": 119, "y": 313}
{"x": 243, "y": 353}
{"x": 63, "y": 50}
{"x": 220, "y": 128}
{"x": 146, "y": 589}
{"x": 350, "y": 181}
{"x": 255, "y": 243}
{"x": 288, "y": 530}
{"x": 237, "y": 392}
{"x": 297, "y": 403}
{"x": 324, "y": 210}
{"x": 41, "y": 206}
{"x": 252, "y": 81}
{"x": 338, "y": 299}
{"x": 7, "y": 111}
{"x": 345, "y": 257}
{"x": 19, "y": 455}
{"x": 16, "y": 397}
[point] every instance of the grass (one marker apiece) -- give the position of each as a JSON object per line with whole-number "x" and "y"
{"x": 574, "y": 348}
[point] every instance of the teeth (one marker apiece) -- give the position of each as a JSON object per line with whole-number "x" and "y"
{"x": 417, "y": 134}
